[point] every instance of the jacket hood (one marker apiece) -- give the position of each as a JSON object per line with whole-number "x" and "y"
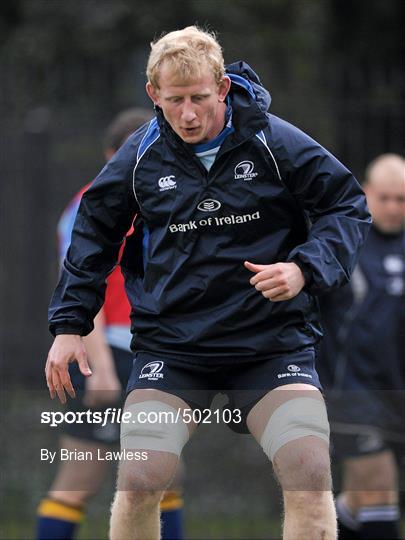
{"x": 243, "y": 76}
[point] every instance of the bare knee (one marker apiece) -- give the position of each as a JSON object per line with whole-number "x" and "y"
{"x": 371, "y": 480}
{"x": 77, "y": 481}
{"x": 148, "y": 481}
{"x": 72, "y": 498}
{"x": 138, "y": 502}
{"x": 376, "y": 472}
{"x": 303, "y": 465}
{"x": 153, "y": 475}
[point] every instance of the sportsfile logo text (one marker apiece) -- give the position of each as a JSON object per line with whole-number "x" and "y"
{"x": 114, "y": 415}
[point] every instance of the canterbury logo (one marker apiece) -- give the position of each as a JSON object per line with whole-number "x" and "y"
{"x": 152, "y": 371}
{"x": 244, "y": 170}
{"x": 167, "y": 182}
{"x": 209, "y": 205}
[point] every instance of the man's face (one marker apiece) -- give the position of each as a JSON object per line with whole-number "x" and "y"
{"x": 386, "y": 201}
{"x": 194, "y": 109}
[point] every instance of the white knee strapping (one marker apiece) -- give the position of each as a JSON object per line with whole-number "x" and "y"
{"x": 296, "y": 418}
{"x": 154, "y": 425}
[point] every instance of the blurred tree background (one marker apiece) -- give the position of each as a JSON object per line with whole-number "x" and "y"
{"x": 334, "y": 68}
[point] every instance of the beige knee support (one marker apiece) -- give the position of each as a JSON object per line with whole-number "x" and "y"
{"x": 154, "y": 425}
{"x": 296, "y": 418}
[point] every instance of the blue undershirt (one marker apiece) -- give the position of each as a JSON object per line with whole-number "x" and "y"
{"x": 207, "y": 152}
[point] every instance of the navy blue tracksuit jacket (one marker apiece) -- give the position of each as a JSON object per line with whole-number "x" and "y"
{"x": 272, "y": 195}
{"x": 363, "y": 346}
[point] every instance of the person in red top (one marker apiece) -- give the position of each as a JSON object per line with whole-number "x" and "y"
{"x": 108, "y": 349}
{"x": 114, "y": 318}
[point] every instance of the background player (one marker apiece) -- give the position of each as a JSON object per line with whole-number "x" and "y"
{"x": 111, "y": 362}
{"x": 362, "y": 363}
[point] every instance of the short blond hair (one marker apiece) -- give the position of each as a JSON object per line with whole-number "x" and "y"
{"x": 186, "y": 51}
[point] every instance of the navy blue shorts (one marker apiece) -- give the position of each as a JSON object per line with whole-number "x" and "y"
{"x": 110, "y": 433}
{"x": 244, "y": 383}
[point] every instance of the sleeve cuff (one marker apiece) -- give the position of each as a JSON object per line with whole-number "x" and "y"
{"x": 305, "y": 269}
{"x": 73, "y": 330}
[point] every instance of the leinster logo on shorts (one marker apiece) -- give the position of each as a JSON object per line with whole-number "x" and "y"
{"x": 152, "y": 371}
{"x": 293, "y": 368}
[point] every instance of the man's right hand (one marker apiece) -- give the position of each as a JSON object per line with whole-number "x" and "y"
{"x": 66, "y": 348}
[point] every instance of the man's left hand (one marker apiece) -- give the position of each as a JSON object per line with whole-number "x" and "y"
{"x": 277, "y": 282}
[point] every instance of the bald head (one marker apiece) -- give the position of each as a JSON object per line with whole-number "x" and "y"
{"x": 386, "y": 169}
{"x": 385, "y": 190}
